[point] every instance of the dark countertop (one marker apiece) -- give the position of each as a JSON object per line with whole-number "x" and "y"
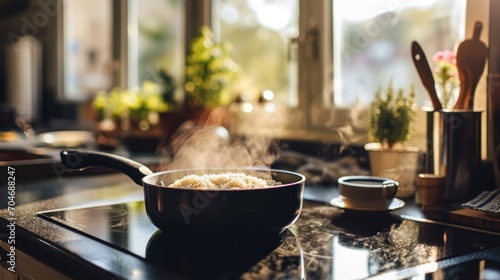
{"x": 81, "y": 257}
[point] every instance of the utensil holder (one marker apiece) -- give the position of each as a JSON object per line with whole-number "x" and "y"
{"x": 494, "y": 122}
{"x": 454, "y": 150}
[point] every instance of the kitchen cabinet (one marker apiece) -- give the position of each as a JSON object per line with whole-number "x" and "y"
{"x": 5, "y": 274}
{"x": 26, "y": 267}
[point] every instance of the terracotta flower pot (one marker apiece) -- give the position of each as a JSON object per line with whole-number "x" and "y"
{"x": 210, "y": 116}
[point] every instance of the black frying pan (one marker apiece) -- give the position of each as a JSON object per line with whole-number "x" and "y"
{"x": 187, "y": 211}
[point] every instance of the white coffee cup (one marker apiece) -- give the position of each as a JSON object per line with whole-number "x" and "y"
{"x": 367, "y": 192}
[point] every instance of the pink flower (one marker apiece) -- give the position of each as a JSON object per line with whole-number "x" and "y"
{"x": 445, "y": 56}
{"x": 445, "y": 74}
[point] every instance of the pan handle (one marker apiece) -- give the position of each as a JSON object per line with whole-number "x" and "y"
{"x": 86, "y": 159}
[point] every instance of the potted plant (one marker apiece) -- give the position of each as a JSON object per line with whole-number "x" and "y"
{"x": 135, "y": 113}
{"x": 392, "y": 119}
{"x": 209, "y": 73}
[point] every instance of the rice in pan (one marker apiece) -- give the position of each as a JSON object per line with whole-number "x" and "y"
{"x": 223, "y": 181}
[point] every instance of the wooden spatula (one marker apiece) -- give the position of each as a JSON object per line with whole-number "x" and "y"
{"x": 471, "y": 58}
{"x": 425, "y": 73}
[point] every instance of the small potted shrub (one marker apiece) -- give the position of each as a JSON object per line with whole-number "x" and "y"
{"x": 210, "y": 71}
{"x": 392, "y": 118}
{"x": 134, "y": 115}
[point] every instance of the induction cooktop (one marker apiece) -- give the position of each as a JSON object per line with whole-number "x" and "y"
{"x": 324, "y": 243}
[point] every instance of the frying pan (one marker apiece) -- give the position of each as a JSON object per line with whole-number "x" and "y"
{"x": 186, "y": 211}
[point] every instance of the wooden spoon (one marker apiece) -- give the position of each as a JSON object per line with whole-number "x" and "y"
{"x": 425, "y": 74}
{"x": 471, "y": 58}
{"x": 478, "y": 61}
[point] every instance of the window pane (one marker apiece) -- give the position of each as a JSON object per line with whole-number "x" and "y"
{"x": 372, "y": 45}
{"x": 158, "y": 42}
{"x": 260, "y": 32}
{"x": 87, "y": 48}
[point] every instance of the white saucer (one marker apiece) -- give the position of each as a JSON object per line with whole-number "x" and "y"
{"x": 395, "y": 204}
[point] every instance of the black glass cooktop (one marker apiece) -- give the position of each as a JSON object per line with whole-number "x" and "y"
{"x": 124, "y": 226}
{"x": 324, "y": 243}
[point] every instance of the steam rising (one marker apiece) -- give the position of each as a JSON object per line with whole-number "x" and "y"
{"x": 351, "y": 124}
{"x": 212, "y": 147}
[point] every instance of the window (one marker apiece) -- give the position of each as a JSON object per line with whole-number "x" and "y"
{"x": 87, "y": 48}
{"x": 323, "y": 59}
{"x": 155, "y": 40}
{"x": 121, "y": 43}
{"x": 346, "y": 50}
{"x": 372, "y": 46}
{"x": 262, "y": 34}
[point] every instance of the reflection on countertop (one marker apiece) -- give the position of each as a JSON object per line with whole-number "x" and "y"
{"x": 325, "y": 243}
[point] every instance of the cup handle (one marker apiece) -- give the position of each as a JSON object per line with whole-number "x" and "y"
{"x": 390, "y": 188}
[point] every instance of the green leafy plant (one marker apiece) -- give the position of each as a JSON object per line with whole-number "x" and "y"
{"x": 210, "y": 71}
{"x": 392, "y": 116}
{"x": 139, "y": 104}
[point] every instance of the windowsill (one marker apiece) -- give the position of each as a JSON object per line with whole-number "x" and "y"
{"x": 342, "y": 127}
